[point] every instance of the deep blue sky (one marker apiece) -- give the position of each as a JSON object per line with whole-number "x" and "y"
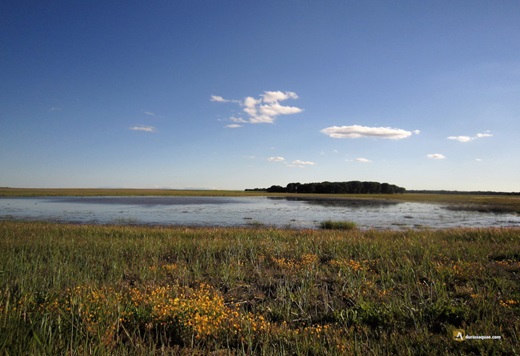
{"x": 241, "y": 94}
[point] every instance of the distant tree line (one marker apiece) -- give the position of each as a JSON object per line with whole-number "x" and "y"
{"x": 351, "y": 187}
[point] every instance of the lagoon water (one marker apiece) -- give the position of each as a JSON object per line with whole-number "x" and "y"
{"x": 245, "y": 211}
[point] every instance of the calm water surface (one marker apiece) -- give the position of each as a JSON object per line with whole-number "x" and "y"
{"x": 245, "y": 211}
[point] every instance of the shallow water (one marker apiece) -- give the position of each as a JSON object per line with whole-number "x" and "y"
{"x": 245, "y": 211}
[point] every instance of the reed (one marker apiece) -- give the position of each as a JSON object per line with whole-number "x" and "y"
{"x": 143, "y": 290}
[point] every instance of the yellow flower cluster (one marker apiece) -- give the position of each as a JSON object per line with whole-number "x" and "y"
{"x": 309, "y": 258}
{"x": 467, "y": 268}
{"x": 192, "y": 313}
{"x": 98, "y": 308}
{"x": 385, "y": 292}
{"x": 306, "y": 260}
{"x": 508, "y": 264}
{"x": 349, "y": 264}
{"x": 459, "y": 268}
{"x": 27, "y": 304}
{"x": 508, "y": 303}
{"x": 186, "y": 314}
{"x": 316, "y": 329}
{"x": 199, "y": 312}
{"x": 168, "y": 267}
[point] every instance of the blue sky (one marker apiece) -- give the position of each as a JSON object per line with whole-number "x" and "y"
{"x": 244, "y": 94}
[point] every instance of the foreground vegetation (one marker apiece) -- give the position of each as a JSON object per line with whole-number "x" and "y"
{"x": 78, "y": 289}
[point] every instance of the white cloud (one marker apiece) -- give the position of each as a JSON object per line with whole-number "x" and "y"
{"x": 250, "y": 102}
{"x": 275, "y": 96}
{"x": 459, "y": 138}
{"x": 363, "y": 160}
{"x": 143, "y": 128}
{"x": 435, "y": 156}
{"x": 233, "y": 126}
{"x": 465, "y": 139}
{"x": 303, "y": 163}
{"x": 300, "y": 164}
{"x": 237, "y": 119}
{"x": 478, "y": 159}
{"x": 261, "y": 119}
{"x": 265, "y": 109}
{"x": 357, "y": 131}
{"x": 296, "y": 163}
{"x": 218, "y": 99}
{"x": 276, "y": 109}
{"x": 149, "y": 113}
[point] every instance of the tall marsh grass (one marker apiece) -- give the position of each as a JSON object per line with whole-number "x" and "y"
{"x": 337, "y": 225}
{"x": 77, "y": 289}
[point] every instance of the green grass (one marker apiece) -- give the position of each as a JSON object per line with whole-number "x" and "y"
{"x": 337, "y": 225}
{"x": 80, "y": 289}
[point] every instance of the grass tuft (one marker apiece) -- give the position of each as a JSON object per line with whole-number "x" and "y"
{"x": 338, "y": 225}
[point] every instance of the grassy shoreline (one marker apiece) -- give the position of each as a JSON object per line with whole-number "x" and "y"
{"x": 476, "y": 202}
{"x": 178, "y": 290}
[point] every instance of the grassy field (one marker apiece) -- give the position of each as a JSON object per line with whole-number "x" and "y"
{"x": 80, "y": 289}
{"x": 490, "y": 203}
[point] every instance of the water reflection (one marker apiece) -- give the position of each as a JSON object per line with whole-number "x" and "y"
{"x": 342, "y": 202}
